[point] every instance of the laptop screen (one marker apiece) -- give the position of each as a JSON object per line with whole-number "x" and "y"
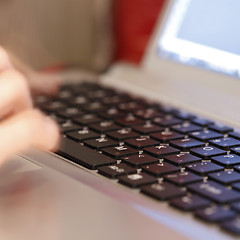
{"x": 204, "y": 34}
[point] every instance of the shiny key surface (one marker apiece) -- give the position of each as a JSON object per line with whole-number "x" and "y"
{"x": 166, "y": 136}
{"x": 83, "y": 155}
{"x": 116, "y": 170}
{"x": 160, "y": 169}
{"x": 161, "y": 150}
{"x": 141, "y": 142}
{"x": 182, "y": 159}
{"x": 137, "y": 180}
{"x": 162, "y": 191}
{"x": 119, "y": 151}
{"x": 204, "y": 168}
{"x": 214, "y": 191}
{"x": 190, "y": 202}
{"x": 139, "y": 160}
{"x": 182, "y": 178}
{"x": 228, "y": 160}
{"x": 215, "y": 214}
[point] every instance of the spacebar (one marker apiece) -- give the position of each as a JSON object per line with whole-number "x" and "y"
{"x": 82, "y": 155}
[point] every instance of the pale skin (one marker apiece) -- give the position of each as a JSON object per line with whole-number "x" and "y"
{"x": 22, "y": 126}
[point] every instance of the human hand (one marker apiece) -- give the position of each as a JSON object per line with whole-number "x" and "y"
{"x": 39, "y": 82}
{"x": 21, "y": 126}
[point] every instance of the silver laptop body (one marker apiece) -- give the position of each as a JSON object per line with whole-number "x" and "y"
{"x": 45, "y": 196}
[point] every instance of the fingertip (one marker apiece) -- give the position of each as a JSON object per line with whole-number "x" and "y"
{"x": 44, "y": 83}
{"x": 52, "y": 133}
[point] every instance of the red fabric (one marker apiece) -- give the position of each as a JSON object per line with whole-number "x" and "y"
{"x": 134, "y": 22}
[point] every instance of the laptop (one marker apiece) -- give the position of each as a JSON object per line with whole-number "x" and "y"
{"x": 149, "y": 152}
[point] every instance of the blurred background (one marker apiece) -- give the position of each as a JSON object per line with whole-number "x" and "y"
{"x": 89, "y": 34}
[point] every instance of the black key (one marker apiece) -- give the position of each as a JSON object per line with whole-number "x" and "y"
{"x": 202, "y": 122}
{"x": 161, "y": 150}
{"x": 100, "y": 143}
{"x": 236, "y": 150}
{"x": 78, "y": 101}
{"x": 68, "y": 126}
{"x": 190, "y": 202}
{"x": 137, "y": 180}
{"x": 215, "y": 214}
{"x": 236, "y": 186}
{"x": 82, "y": 134}
{"x": 186, "y": 128}
{"x": 119, "y": 151}
{"x": 130, "y": 106}
{"x": 237, "y": 168}
{"x": 147, "y": 128}
{"x": 186, "y": 143}
{"x": 227, "y": 160}
{"x": 122, "y": 134}
{"x": 159, "y": 169}
{"x": 207, "y": 152}
{"x": 94, "y": 107}
{"x": 116, "y": 170}
{"x": 215, "y": 192}
{"x": 64, "y": 94}
{"x": 104, "y": 126}
{"x": 162, "y": 191}
{"x": 129, "y": 120}
{"x": 112, "y": 113}
{"x": 234, "y": 135}
{"x": 205, "y": 135}
{"x": 99, "y": 93}
{"x": 236, "y": 206}
{"x": 167, "y": 136}
{"x": 225, "y": 177}
{"x": 182, "y": 178}
{"x": 54, "y": 106}
{"x": 232, "y": 226}
{"x": 148, "y": 113}
{"x": 220, "y": 128}
{"x": 116, "y": 99}
{"x": 87, "y": 119}
{"x": 182, "y": 159}
{"x": 83, "y": 155}
{"x": 71, "y": 112}
{"x": 141, "y": 142}
{"x": 204, "y": 168}
{"x": 139, "y": 160}
{"x": 225, "y": 143}
{"x": 184, "y": 115}
{"x": 167, "y": 121}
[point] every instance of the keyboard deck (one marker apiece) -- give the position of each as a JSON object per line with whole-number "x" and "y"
{"x": 173, "y": 156}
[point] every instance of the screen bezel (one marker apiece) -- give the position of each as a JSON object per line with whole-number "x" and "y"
{"x": 174, "y": 79}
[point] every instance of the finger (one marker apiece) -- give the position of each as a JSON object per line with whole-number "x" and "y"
{"x": 44, "y": 83}
{"x": 28, "y": 128}
{"x": 39, "y": 82}
{"x": 14, "y": 92}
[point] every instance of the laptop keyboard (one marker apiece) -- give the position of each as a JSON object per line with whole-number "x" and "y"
{"x": 169, "y": 155}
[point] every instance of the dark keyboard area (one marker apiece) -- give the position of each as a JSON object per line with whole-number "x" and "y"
{"x": 169, "y": 155}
